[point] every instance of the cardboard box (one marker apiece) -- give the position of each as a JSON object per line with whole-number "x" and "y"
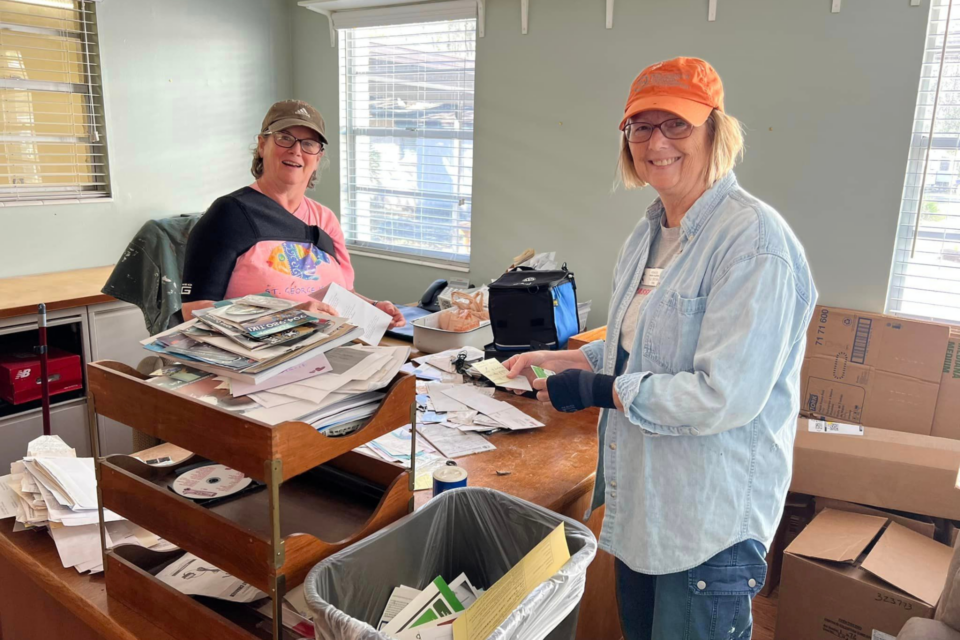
{"x": 875, "y": 370}
{"x": 924, "y": 525}
{"x": 838, "y": 583}
{"x": 797, "y": 514}
{"x": 20, "y": 374}
{"x": 881, "y": 468}
{"x": 946, "y": 419}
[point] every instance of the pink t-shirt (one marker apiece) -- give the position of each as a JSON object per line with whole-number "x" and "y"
{"x": 294, "y": 270}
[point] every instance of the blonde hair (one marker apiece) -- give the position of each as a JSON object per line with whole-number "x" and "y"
{"x": 726, "y": 135}
{"x": 256, "y": 168}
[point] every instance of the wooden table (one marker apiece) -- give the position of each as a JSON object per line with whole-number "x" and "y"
{"x": 553, "y": 467}
{"x": 62, "y": 290}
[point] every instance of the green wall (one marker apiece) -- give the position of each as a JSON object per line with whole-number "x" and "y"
{"x": 827, "y": 99}
{"x": 186, "y": 84}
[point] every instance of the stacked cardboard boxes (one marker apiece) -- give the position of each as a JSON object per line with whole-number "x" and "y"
{"x": 868, "y": 561}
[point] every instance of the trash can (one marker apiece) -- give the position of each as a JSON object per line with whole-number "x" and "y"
{"x": 477, "y": 531}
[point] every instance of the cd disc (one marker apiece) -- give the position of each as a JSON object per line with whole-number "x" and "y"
{"x": 210, "y": 481}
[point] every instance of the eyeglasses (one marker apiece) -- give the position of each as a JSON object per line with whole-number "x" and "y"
{"x": 674, "y": 129}
{"x": 309, "y": 146}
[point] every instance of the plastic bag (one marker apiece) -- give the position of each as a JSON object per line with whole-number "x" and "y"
{"x": 477, "y": 531}
{"x": 466, "y": 314}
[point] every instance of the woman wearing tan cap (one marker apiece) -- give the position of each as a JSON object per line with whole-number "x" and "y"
{"x": 699, "y": 375}
{"x": 269, "y": 237}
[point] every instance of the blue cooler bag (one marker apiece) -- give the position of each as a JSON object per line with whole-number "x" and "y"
{"x": 532, "y": 310}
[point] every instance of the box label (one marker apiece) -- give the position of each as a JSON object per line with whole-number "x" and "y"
{"x": 880, "y": 635}
{"x": 835, "y": 399}
{"x": 844, "y": 629}
{"x": 861, "y": 340}
{"x": 823, "y": 426}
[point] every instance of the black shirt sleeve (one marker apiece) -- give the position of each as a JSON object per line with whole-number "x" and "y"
{"x": 222, "y": 235}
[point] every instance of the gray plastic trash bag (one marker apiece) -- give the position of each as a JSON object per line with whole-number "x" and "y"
{"x": 477, "y": 531}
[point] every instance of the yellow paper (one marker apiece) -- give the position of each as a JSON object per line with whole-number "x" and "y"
{"x": 500, "y": 600}
{"x": 497, "y": 374}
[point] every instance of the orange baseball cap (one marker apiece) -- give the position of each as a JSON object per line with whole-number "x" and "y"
{"x": 688, "y": 87}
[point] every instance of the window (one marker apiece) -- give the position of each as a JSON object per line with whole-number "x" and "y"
{"x": 52, "y": 146}
{"x": 925, "y": 279}
{"x": 406, "y": 135}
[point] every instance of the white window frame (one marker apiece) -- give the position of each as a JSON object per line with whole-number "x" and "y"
{"x": 413, "y": 14}
{"x": 925, "y": 272}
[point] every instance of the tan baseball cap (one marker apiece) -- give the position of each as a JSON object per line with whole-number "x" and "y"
{"x": 293, "y": 113}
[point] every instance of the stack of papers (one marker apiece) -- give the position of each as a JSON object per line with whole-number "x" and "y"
{"x": 53, "y": 488}
{"x": 395, "y": 447}
{"x": 252, "y": 339}
{"x": 439, "y": 604}
{"x": 336, "y": 391}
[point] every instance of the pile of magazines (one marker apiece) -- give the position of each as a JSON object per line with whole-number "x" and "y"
{"x": 274, "y": 362}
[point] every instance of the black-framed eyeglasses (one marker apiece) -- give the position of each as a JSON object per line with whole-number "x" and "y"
{"x": 283, "y": 139}
{"x": 673, "y": 129}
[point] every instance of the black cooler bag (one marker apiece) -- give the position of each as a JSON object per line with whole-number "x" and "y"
{"x": 532, "y": 310}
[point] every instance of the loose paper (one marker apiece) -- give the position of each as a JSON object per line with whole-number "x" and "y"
{"x": 399, "y": 599}
{"x": 500, "y": 600}
{"x": 8, "y": 499}
{"x": 824, "y": 426}
{"x": 360, "y": 312}
{"x": 454, "y": 443}
{"x": 434, "y": 602}
{"x": 497, "y": 374}
{"x": 195, "y": 577}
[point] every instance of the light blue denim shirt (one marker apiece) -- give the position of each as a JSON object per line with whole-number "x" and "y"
{"x": 703, "y": 455}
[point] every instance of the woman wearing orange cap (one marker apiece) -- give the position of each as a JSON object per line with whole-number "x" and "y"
{"x": 699, "y": 374}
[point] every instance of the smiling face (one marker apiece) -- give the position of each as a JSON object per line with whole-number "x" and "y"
{"x": 672, "y": 167}
{"x": 291, "y": 167}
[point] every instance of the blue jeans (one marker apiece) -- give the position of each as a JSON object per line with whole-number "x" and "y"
{"x": 709, "y": 602}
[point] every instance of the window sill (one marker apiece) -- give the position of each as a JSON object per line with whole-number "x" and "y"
{"x": 47, "y": 203}
{"x": 423, "y": 262}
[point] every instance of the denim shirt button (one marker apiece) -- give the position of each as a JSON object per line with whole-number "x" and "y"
{"x": 613, "y": 445}
{"x": 701, "y": 585}
{"x": 751, "y": 583}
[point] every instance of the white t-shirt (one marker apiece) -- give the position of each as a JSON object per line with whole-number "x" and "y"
{"x": 665, "y": 247}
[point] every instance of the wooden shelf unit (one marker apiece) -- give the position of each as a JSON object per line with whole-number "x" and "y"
{"x": 331, "y": 496}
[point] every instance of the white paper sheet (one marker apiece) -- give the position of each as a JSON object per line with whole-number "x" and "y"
{"x": 8, "y": 499}
{"x": 77, "y": 545}
{"x": 515, "y": 419}
{"x": 442, "y": 401}
{"x": 454, "y": 443}
{"x": 399, "y": 599}
{"x": 76, "y": 476}
{"x": 360, "y": 313}
{"x": 195, "y": 577}
{"x": 473, "y": 399}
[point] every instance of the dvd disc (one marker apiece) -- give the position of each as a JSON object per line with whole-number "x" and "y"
{"x": 244, "y": 310}
{"x": 210, "y": 481}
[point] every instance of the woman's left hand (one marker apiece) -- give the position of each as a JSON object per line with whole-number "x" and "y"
{"x": 389, "y": 308}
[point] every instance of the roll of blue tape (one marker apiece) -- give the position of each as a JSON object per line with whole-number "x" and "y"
{"x": 446, "y": 478}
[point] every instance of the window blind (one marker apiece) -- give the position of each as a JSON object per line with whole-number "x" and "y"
{"x": 52, "y": 142}
{"x": 406, "y": 133}
{"x": 925, "y": 278}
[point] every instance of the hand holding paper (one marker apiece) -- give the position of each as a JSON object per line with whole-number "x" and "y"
{"x": 361, "y": 313}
